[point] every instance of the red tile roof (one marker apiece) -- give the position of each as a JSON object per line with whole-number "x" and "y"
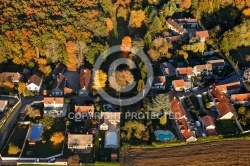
{"x": 218, "y": 95}
{"x": 185, "y": 71}
{"x": 208, "y": 121}
{"x": 230, "y": 86}
{"x": 12, "y": 76}
{"x": 224, "y": 108}
{"x": 85, "y": 109}
{"x": 35, "y": 79}
{"x": 201, "y": 34}
{"x": 241, "y": 97}
{"x": 85, "y": 77}
{"x": 53, "y": 100}
{"x": 178, "y": 83}
{"x": 177, "y": 108}
{"x": 185, "y": 131}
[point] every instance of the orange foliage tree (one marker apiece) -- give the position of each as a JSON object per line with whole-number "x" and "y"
{"x": 185, "y": 4}
{"x": 126, "y": 45}
{"x": 71, "y": 50}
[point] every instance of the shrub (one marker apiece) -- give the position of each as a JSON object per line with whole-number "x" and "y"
{"x": 13, "y": 149}
{"x": 208, "y": 105}
{"x": 57, "y": 138}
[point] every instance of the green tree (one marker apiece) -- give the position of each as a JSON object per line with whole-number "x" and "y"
{"x": 169, "y": 8}
{"x": 134, "y": 129}
{"x": 47, "y": 121}
{"x": 155, "y": 26}
{"x": 161, "y": 104}
{"x": 242, "y": 110}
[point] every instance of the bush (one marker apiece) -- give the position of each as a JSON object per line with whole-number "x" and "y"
{"x": 57, "y": 138}
{"x": 208, "y": 105}
{"x": 67, "y": 100}
{"x": 13, "y": 149}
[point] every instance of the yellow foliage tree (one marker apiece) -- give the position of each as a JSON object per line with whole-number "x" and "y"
{"x": 21, "y": 87}
{"x": 72, "y": 61}
{"x": 13, "y": 149}
{"x": 136, "y": 18}
{"x": 120, "y": 79}
{"x": 57, "y": 138}
{"x": 109, "y": 24}
{"x": 100, "y": 79}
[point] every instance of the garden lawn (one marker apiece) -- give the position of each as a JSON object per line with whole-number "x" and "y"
{"x": 17, "y": 138}
{"x": 44, "y": 147}
{"x": 226, "y": 127}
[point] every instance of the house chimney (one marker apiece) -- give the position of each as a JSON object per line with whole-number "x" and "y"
{"x": 87, "y": 133}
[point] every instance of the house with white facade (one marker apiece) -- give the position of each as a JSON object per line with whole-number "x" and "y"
{"x": 205, "y": 69}
{"x": 174, "y": 26}
{"x": 34, "y": 83}
{"x": 3, "y": 104}
{"x": 80, "y": 142}
{"x": 54, "y": 106}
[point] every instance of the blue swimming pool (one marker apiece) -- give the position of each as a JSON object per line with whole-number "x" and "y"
{"x": 165, "y": 136}
{"x": 36, "y": 132}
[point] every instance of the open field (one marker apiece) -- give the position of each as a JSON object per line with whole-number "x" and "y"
{"x": 216, "y": 153}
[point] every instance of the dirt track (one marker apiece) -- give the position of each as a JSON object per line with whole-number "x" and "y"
{"x": 217, "y": 153}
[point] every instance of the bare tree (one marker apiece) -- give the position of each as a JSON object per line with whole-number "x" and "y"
{"x": 82, "y": 49}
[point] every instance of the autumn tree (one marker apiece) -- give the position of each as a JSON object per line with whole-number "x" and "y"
{"x": 109, "y": 24}
{"x": 163, "y": 120}
{"x": 100, "y": 79}
{"x": 126, "y": 45}
{"x": 185, "y": 4}
{"x": 246, "y": 14}
{"x": 47, "y": 121}
{"x": 21, "y": 88}
{"x": 182, "y": 54}
{"x": 81, "y": 49}
{"x": 195, "y": 46}
{"x": 140, "y": 85}
{"x": 74, "y": 160}
{"x": 57, "y": 138}
{"x": 159, "y": 48}
{"x": 153, "y": 2}
{"x": 134, "y": 129}
{"x": 32, "y": 112}
{"x": 120, "y": 79}
{"x": 13, "y": 149}
{"x": 71, "y": 48}
{"x": 136, "y": 18}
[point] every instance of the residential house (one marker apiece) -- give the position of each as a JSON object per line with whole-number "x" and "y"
{"x": 179, "y": 85}
{"x": 208, "y": 122}
{"x": 205, "y": 69}
{"x": 230, "y": 88}
{"x": 218, "y": 95}
{"x": 87, "y": 112}
{"x": 34, "y": 83}
{"x": 184, "y": 72}
{"x": 246, "y": 74}
{"x": 14, "y": 77}
{"x": 185, "y": 131}
{"x": 80, "y": 141}
{"x": 241, "y": 98}
{"x": 85, "y": 82}
{"x": 201, "y": 35}
{"x": 3, "y": 104}
{"x": 225, "y": 110}
{"x": 109, "y": 118}
{"x": 60, "y": 68}
{"x": 110, "y": 121}
{"x": 167, "y": 69}
{"x": 177, "y": 109}
{"x": 217, "y": 64}
{"x": 159, "y": 82}
{"x": 54, "y": 106}
{"x": 175, "y": 26}
{"x": 59, "y": 85}
{"x": 187, "y": 22}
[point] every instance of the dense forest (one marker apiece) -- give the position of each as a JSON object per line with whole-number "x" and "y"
{"x": 77, "y": 31}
